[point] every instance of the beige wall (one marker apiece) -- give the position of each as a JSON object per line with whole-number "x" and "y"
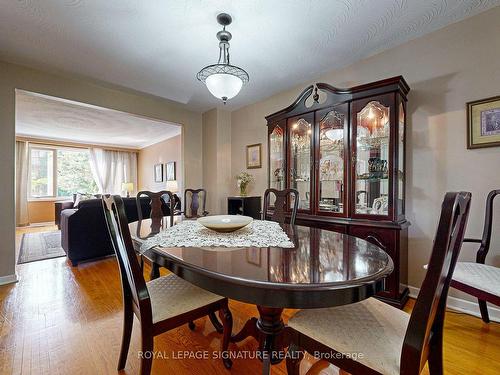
{"x": 444, "y": 69}
{"x": 161, "y": 152}
{"x": 15, "y": 76}
{"x": 217, "y": 159}
{"x": 41, "y": 211}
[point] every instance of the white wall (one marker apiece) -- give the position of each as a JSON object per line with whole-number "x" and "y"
{"x": 15, "y": 76}
{"x": 445, "y": 70}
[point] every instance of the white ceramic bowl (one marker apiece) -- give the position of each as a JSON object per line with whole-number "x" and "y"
{"x": 225, "y": 223}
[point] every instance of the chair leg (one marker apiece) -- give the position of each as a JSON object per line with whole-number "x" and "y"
{"x": 215, "y": 322}
{"x": 128, "y": 320}
{"x": 293, "y": 359}
{"x": 227, "y": 324}
{"x": 483, "y": 307}
{"x": 436, "y": 354}
{"x": 155, "y": 271}
{"x": 147, "y": 351}
{"x": 192, "y": 326}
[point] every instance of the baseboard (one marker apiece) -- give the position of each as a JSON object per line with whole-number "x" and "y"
{"x": 9, "y": 279}
{"x": 42, "y": 224}
{"x": 464, "y": 306}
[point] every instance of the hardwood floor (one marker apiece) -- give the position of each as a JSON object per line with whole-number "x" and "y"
{"x": 67, "y": 320}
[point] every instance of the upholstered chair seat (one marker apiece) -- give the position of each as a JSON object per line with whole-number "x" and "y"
{"x": 371, "y": 337}
{"x": 172, "y": 296}
{"x": 370, "y": 327}
{"x": 479, "y": 276}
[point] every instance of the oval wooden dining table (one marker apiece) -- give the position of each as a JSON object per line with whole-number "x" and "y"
{"x": 324, "y": 269}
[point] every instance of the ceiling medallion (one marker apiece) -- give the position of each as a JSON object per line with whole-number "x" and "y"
{"x": 223, "y": 80}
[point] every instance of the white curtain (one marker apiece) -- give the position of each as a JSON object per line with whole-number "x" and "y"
{"x": 112, "y": 168}
{"x": 22, "y": 168}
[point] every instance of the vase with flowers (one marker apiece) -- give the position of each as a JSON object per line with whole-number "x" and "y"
{"x": 243, "y": 180}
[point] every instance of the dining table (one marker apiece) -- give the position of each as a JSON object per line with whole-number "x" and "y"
{"x": 323, "y": 269}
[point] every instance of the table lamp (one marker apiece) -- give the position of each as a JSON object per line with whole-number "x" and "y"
{"x": 128, "y": 187}
{"x": 172, "y": 186}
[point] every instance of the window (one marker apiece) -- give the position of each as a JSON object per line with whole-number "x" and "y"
{"x": 42, "y": 173}
{"x": 59, "y": 172}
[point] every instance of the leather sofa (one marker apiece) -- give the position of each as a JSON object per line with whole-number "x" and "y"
{"x": 84, "y": 235}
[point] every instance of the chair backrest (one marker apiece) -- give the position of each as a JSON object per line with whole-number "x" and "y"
{"x": 488, "y": 223}
{"x": 156, "y": 201}
{"x": 427, "y": 317}
{"x": 195, "y": 196}
{"x": 280, "y": 204}
{"x": 133, "y": 283}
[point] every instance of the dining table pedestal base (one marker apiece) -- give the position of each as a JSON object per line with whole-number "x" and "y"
{"x": 270, "y": 331}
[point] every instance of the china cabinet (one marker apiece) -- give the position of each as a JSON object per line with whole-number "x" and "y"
{"x": 344, "y": 151}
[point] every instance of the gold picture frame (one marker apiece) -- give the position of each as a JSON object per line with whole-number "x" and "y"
{"x": 483, "y": 123}
{"x": 254, "y": 156}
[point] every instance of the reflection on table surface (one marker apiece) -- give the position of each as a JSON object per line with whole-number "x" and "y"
{"x": 319, "y": 257}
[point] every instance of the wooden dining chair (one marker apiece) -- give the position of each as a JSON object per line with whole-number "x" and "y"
{"x": 479, "y": 279}
{"x": 161, "y": 304}
{"x": 280, "y": 205}
{"x": 195, "y": 196}
{"x": 157, "y": 201}
{"x": 371, "y": 337}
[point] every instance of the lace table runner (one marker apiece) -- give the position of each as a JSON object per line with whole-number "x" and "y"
{"x": 258, "y": 233}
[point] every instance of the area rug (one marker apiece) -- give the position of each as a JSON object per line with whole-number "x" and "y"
{"x": 40, "y": 246}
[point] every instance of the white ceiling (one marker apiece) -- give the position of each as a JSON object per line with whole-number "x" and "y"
{"x": 51, "y": 118}
{"x": 158, "y": 46}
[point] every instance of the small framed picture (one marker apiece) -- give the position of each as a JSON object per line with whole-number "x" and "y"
{"x": 171, "y": 173}
{"x": 254, "y": 156}
{"x": 158, "y": 172}
{"x": 483, "y": 123}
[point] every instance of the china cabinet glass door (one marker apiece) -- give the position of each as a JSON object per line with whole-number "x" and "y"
{"x": 277, "y": 158}
{"x": 371, "y": 172}
{"x": 401, "y": 159}
{"x": 300, "y": 148}
{"x": 331, "y": 152}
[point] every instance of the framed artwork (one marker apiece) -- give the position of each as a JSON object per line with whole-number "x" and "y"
{"x": 254, "y": 156}
{"x": 171, "y": 173}
{"x": 253, "y": 256}
{"x": 158, "y": 172}
{"x": 483, "y": 123}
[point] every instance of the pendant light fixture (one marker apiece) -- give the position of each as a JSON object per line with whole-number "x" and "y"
{"x": 223, "y": 80}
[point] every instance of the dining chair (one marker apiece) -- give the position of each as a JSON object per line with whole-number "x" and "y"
{"x": 195, "y": 195}
{"x": 157, "y": 201}
{"x": 280, "y": 205}
{"x": 372, "y": 337}
{"x": 161, "y": 304}
{"x": 479, "y": 279}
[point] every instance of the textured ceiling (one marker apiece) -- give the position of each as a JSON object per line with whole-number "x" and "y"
{"x": 46, "y": 117}
{"x": 158, "y": 46}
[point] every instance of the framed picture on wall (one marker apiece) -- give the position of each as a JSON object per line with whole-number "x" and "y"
{"x": 158, "y": 172}
{"x": 171, "y": 173}
{"x": 254, "y": 156}
{"x": 483, "y": 123}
